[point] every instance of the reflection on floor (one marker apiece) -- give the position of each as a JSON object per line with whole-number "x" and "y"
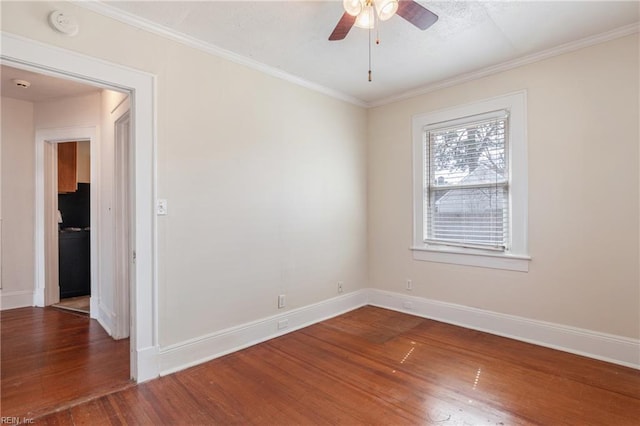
{"x": 76, "y": 304}
{"x": 372, "y": 366}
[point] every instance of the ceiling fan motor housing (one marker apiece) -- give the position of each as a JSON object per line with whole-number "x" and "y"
{"x": 384, "y": 8}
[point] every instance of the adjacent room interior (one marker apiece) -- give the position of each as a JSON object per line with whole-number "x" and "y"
{"x": 257, "y": 212}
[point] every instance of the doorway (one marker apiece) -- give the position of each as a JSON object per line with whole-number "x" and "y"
{"x": 108, "y": 224}
{"x": 74, "y": 226}
{"x": 22, "y": 53}
{"x": 56, "y": 347}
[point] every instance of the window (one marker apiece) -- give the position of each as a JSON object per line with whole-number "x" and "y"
{"x": 470, "y": 184}
{"x": 466, "y": 187}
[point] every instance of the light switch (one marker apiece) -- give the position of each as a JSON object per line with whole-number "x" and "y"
{"x": 161, "y": 207}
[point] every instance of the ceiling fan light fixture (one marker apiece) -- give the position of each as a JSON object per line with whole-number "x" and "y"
{"x": 366, "y": 14}
{"x": 366, "y": 19}
{"x": 386, "y": 8}
{"x": 353, "y": 7}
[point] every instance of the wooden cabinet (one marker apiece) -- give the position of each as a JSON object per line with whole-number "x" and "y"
{"x": 67, "y": 167}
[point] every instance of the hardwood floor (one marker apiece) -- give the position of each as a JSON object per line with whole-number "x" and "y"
{"x": 52, "y": 358}
{"x": 374, "y": 366}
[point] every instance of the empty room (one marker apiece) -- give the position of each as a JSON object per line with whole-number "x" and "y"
{"x": 369, "y": 212}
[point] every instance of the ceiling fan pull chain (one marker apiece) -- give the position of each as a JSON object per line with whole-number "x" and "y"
{"x": 369, "y": 54}
{"x": 377, "y": 20}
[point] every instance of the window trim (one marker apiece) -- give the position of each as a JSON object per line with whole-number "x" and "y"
{"x": 517, "y": 258}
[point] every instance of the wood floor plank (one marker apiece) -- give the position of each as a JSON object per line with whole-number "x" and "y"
{"x": 455, "y": 367}
{"x": 52, "y": 358}
{"x": 373, "y": 366}
{"x": 592, "y": 372}
{"x": 380, "y": 370}
{"x": 402, "y": 396}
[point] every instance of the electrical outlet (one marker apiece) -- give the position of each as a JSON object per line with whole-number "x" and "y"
{"x": 409, "y": 285}
{"x": 284, "y": 323}
{"x": 281, "y": 301}
{"x": 340, "y": 286}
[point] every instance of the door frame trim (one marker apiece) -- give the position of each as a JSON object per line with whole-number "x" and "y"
{"x": 46, "y": 230}
{"x": 122, "y": 203}
{"x": 35, "y": 56}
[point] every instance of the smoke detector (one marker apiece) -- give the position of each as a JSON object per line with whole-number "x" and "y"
{"x": 23, "y": 84}
{"x": 63, "y": 23}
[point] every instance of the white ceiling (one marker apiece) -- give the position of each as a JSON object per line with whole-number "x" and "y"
{"x": 42, "y": 87}
{"x": 292, "y": 37}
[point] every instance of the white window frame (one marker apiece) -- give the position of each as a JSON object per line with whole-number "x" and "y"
{"x": 517, "y": 257}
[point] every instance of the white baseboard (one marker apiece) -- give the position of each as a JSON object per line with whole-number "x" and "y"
{"x": 195, "y": 351}
{"x": 602, "y": 346}
{"x": 93, "y": 307}
{"x": 16, "y": 299}
{"x": 146, "y": 364}
{"x": 606, "y": 347}
{"x": 39, "y": 297}
{"x": 106, "y": 318}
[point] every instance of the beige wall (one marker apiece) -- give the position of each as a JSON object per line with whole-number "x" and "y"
{"x": 583, "y": 195}
{"x": 265, "y": 180}
{"x": 266, "y": 190}
{"x": 18, "y": 209}
{"x": 73, "y": 111}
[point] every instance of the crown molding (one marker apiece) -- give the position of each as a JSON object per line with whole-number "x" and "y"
{"x": 144, "y": 24}
{"x": 515, "y": 63}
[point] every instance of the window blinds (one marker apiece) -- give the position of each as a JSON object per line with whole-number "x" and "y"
{"x": 467, "y": 182}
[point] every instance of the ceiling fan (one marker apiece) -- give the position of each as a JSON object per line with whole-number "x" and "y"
{"x": 365, "y": 13}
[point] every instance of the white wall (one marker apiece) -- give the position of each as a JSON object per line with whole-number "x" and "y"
{"x": 583, "y": 195}
{"x": 76, "y": 111}
{"x": 265, "y": 180}
{"x": 18, "y": 215}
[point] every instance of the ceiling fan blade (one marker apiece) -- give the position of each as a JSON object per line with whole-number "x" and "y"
{"x": 416, "y": 14}
{"x": 342, "y": 29}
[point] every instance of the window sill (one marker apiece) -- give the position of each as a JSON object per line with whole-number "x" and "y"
{"x": 470, "y": 257}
